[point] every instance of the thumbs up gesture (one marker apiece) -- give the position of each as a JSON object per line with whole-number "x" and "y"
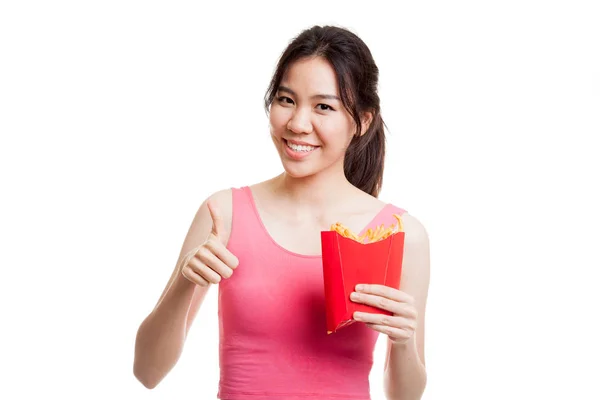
{"x": 211, "y": 261}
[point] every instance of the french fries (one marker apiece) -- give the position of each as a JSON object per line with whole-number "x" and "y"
{"x": 380, "y": 232}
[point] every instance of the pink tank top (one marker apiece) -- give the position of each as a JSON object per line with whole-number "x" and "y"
{"x": 273, "y": 342}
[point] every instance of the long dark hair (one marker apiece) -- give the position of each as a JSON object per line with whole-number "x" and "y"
{"x": 357, "y": 78}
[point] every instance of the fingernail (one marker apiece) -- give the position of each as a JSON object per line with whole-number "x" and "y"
{"x": 354, "y": 295}
{"x": 360, "y": 287}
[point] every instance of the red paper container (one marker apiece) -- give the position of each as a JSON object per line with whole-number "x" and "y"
{"x": 347, "y": 263}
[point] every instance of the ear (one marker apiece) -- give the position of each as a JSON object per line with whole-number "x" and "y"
{"x": 366, "y": 119}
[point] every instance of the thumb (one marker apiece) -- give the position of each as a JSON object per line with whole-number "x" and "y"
{"x": 217, "y": 220}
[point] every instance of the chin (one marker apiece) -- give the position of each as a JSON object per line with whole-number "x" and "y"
{"x": 297, "y": 171}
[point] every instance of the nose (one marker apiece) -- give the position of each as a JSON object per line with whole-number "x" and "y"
{"x": 300, "y": 122}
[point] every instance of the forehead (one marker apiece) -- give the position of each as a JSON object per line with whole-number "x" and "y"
{"x": 311, "y": 75}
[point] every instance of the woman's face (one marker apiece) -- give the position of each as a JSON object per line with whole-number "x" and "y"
{"x": 309, "y": 125}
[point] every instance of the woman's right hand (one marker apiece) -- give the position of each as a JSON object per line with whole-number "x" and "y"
{"x": 211, "y": 261}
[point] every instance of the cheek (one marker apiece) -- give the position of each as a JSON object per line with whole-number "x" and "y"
{"x": 336, "y": 133}
{"x": 278, "y": 119}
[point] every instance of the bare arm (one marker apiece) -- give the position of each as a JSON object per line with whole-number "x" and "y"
{"x": 161, "y": 336}
{"x": 405, "y": 374}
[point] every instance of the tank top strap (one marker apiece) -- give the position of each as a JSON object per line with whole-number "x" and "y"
{"x": 386, "y": 217}
{"x": 240, "y": 199}
{"x": 397, "y": 210}
{"x": 244, "y": 218}
{"x": 243, "y": 213}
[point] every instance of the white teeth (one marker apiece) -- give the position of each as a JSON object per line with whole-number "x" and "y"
{"x": 299, "y": 147}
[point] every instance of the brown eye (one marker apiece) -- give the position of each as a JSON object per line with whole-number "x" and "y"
{"x": 285, "y": 99}
{"x": 325, "y": 107}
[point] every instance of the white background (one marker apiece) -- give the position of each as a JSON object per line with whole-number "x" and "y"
{"x": 118, "y": 118}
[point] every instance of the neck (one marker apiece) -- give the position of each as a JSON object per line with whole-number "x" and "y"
{"x": 323, "y": 190}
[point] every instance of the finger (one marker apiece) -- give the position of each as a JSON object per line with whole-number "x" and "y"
{"x": 191, "y": 275}
{"x": 377, "y": 301}
{"x": 392, "y": 332}
{"x": 407, "y": 310}
{"x": 205, "y": 271}
{"x": 213, "y": 263}
{"x": 382, "y": 319}
{"x": 219, "y": 249}
{"x": 386, "y": 291}
{"x": 217, "y": 220}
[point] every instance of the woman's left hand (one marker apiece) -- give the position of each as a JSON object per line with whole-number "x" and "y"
{"x": 400, "y": 327}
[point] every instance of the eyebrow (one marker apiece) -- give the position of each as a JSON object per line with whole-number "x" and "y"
{"x": 316, "y": 96}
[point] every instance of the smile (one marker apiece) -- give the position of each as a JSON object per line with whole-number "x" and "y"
{"x": 298, "y": 151}
{"x": 300, "y": 148}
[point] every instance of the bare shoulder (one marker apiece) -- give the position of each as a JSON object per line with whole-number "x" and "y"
{"x": 415, "y": 231}
{"x": 416, "y": 261}
{"x": 223, "y": 200}
{"x": 202, "y": 221}
{"x": 368, "y": 203}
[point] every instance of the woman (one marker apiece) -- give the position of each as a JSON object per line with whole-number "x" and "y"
{"x": 261, "y": 245}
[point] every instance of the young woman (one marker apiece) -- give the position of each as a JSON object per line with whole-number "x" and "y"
{"x": 261, "y": 245}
